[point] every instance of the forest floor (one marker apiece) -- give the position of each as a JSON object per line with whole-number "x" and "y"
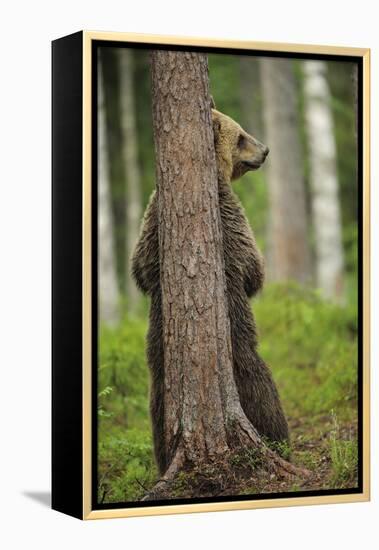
{"x": 325, "y": 449}
{"x": 314, "y": 363}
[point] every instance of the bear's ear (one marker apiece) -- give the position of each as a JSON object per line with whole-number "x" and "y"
{"x": 213, "y": 104}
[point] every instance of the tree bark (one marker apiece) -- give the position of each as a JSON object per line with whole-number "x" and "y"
{"x": 131, "y": 167}
{"x": 108, "y": 289}
{"x": 323, "y": 180}
{"x": 288, "y": 228}
{"x": 203, "y": 420}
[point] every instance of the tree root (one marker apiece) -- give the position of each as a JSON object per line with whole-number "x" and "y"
{"x": 222, "y": 476}
{"x": 282, "y": 468}
{"x": 162, "y": 487}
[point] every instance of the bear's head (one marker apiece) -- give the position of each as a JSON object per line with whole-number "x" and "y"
{"x": 237, "y": 152}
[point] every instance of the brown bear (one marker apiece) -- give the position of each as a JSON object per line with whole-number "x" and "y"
{"x": 236, "y": 153}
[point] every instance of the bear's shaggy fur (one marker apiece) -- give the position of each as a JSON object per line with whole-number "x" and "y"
{"x": 236, "y": 153}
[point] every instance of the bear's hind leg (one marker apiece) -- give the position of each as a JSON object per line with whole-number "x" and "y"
{"x": 157, "y": 421}
{"x": 261, "y": 403}
{"x": 155, "y": 359}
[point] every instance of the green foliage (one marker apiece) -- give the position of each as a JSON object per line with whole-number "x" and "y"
{"x": 126, "y": 465}
{"x": 224, "y": 72}
{"x": 311, "y": 346}
{"x": 103, "y": 393}
{"x": 122, "y": 367}
{"x": 344, "y": 457}
{"x": 125, "y": 454}
{"x": 283, "y": 448}
{"x": 252, "y": 191}
{"x": 250, "y": 457}
{"x": 342, "y": 103}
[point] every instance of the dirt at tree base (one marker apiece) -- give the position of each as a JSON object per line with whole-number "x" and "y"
{"x": 243, "y": 474}
{"x": 231, "y": 476}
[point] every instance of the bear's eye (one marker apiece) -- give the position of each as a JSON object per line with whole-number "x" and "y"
{"x": 241, "y": 141}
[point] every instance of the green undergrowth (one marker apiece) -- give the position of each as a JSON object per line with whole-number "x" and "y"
{"x": 126, "y": 468}
{"x": 311, "y": 347}
{"x": 344, "y": 457}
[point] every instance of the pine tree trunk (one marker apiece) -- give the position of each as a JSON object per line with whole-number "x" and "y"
{"x": 108, "y": 288}
{"x": 204, "y": 420}
{"x": 323, "y": 180}
{"x": 288, "y": 239}
{"x": 130, "y": 161}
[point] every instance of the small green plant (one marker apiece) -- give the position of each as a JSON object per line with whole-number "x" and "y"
{"x": 283, "y": 448}
{"x": 100, "y": 409}
{"x": 344, "y": 457}
{"x": 182, "y": 482}
{"x": 251, "y": 458}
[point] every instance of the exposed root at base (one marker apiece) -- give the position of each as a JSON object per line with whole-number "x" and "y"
{"x": 241, "y": 472}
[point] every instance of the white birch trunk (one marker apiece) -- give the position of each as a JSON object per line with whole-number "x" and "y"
{"x": 323, "y": 180}
{"x": 132, "y": 174}
{"x": 108, "y": 290}
{"x": 289, "y": 255}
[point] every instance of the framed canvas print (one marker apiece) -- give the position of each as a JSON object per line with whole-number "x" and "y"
{"x": 210, "y": 275}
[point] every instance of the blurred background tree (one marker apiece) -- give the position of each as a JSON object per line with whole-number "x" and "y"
{"x": 129, "y": 135}
{"x": 108, "y": 286}
{"x": 288, "y": 241}
{"x": 302, "y": 207}
{"x": 323, "y": 179}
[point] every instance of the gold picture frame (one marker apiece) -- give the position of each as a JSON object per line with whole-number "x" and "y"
{"x": 85, "y": 509}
